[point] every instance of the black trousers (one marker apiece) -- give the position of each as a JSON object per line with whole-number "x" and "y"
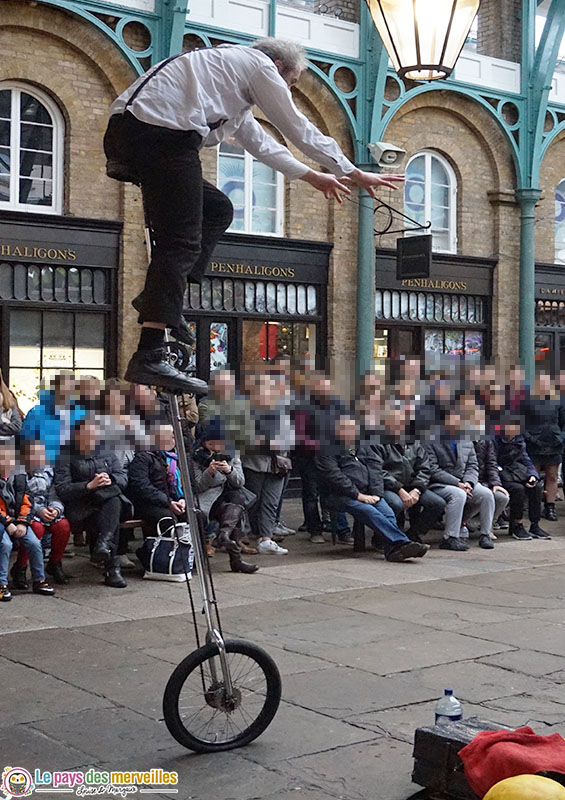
{"x": 105, "y": 519}
{"x": 518, "y": 497}
{"x": 186, "y": 213}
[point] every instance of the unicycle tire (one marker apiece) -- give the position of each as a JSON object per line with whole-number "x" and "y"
{"x": 195, "y": 707}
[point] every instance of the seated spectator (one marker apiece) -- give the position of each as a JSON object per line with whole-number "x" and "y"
{"x": 489, "y": 476}
{"x": 11, "y": 416}
{"x": 154, "y": 485}
{"x": 47, "y": 516}
{"x": 218, "y": 483}
{"x": 544, "y": 425}
{"x": 91, "y": 485}
{"x": 52, "y": 420}
{"x": 406, "y": 476}
{"x": 520, "y": 479}
{"x": 145, "y": 403}
{"x": 266, "y": 465}
{"x": 455, "y": 477}
{"x": 351, "y": 480}
{"x": 16, "y": 513}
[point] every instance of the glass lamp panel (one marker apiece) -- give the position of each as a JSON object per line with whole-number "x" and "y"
{"x": 465, "y": 13}
{"x": 394, "y": 20}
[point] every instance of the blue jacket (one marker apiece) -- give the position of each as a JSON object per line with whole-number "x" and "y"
{"x": 43, "y": 423}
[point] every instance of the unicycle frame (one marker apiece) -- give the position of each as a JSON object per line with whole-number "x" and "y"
{"x": 213, "y": 635}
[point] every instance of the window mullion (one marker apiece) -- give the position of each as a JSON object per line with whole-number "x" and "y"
{"x": 248, "y": 191}
{"x": 15, "y": 149}
{"x": 428, "y": 188}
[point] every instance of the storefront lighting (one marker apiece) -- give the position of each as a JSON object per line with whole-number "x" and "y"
{"x": 423, "y": 37}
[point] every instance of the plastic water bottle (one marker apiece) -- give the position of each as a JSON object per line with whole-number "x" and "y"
{"x": 448, "y": 709}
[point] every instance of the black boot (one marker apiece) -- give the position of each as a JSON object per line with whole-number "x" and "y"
{"x": 150, "y": 367}
{"x": 55, "y": 569}
{"x": 19, "y": 580}
{"x": 237, "y": 564}
{"x": 229, "y": 519}
{"x": 549, "y": 512}
{"x": 103, "y": 545}
{"x": 537, "y": 532}
{"x": 114, "y": 577}
{"x": 181, "y": 332}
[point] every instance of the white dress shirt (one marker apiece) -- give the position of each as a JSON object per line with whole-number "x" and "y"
{"x": 222, "y": 84}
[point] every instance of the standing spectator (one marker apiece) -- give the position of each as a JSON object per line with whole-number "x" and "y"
{"x": 119, "y": 431}
{"x": 47, "y": 516}
{"x": 521, "y": 480}
{"x": 11, "y": 417}
{"x": 455, "y": 478}
{"x": 232, "y": 407}
{"x": 307, "y": 444}
{"x": 516, "y": 390}
{"x": 52, "y": 420}
{"x": 88, "y": 388}
{"x": 351, "y": 480}
{"x": 15, "y": 516}
{"x": 544, "y": 423}
{"x": 218, "y": 485}
{"x": 406, "y": 477}
{"x": 266, "y": 466}
{"x": 90, "y": 484}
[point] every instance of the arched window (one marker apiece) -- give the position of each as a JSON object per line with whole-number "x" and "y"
{"x": 31, "y": 150}
{"x": 256, "y": 191}
{"x": 430, "y": 195}
{"x": 560, "y": 223}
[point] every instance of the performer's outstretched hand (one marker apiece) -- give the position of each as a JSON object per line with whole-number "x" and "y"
{"x": 371, "y": 180}
{"x": 328, "y": 184}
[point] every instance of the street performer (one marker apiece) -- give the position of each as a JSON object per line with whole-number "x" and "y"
{"x": 154, "y": 135}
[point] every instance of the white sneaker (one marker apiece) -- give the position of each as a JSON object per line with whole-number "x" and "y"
{"x": 268, "y": 547}
{"x": 283, "y": 530}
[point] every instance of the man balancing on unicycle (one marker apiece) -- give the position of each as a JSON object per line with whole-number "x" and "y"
{"x": 155, "y": 132}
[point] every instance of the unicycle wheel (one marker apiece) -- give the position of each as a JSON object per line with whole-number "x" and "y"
{"x": 198, "y": 712}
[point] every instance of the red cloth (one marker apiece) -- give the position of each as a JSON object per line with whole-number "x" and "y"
{"x": 493, "y": 756}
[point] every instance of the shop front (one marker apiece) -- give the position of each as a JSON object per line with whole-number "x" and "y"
{"x": 58, "y": 281}
{"x": 261, "y": 298}
{"x": 444, "y": 316}
{"x": 550, "y": 318}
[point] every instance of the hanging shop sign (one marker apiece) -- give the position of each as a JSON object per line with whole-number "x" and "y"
{"x": 448, "y": 273}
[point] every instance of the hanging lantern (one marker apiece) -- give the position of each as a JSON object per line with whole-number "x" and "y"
{"x": 423, "y": 37}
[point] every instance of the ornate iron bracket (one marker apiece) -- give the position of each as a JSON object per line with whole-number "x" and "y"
{"x": 389, "y": 212}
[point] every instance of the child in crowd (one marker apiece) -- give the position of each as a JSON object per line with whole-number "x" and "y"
{"x": 48, "y": 516}
{"x": 16, "y": 513}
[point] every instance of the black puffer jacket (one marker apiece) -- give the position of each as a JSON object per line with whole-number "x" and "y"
{"x": 544, "y": 423}
{"x": 405, "y": 466}
{"x": 147, "y": 480}
{"x": 512, "y": 456}
{"x": 72, "y": 474}
{"x": 344, "y": 472}
{"x": 489, "y": 474}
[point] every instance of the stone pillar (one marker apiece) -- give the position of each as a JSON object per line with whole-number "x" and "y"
{"x": 499, "y": 29}
{"x": 506, "y": 279}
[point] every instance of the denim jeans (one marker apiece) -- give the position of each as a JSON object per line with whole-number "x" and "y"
{"x": 187, "y": 214}
{"x": 423, "y": 515}
{"x": 380, "y": 518}
{"x": 33, "y": 546}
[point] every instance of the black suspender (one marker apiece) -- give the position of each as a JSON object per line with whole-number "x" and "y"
{"x": 144, "y": 82}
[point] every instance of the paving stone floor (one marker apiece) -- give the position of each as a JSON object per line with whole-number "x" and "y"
{"x": 365, "y": 649}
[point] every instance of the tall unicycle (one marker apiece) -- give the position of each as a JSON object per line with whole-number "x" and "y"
{"x": 225, "y": 693}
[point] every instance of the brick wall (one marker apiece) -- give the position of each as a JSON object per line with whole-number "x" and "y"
{"x": 551, "y": 174}
{"x": 499, "y": 29}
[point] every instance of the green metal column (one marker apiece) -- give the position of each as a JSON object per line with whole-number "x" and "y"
{"x": 365, "y": 284}
{"x": 527, "y": 199}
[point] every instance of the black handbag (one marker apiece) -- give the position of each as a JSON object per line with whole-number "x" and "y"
{"x": 168, "y": 556}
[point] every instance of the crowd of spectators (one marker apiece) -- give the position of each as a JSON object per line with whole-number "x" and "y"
{"x": 459, "y": 449}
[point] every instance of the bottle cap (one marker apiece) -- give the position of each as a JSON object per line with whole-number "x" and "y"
{"x": 449, "y": 691}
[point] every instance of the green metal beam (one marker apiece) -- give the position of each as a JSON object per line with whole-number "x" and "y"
{"x": 172, "y": 18}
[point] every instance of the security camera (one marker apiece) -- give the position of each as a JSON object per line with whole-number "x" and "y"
{"x": 387, "y": 155}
